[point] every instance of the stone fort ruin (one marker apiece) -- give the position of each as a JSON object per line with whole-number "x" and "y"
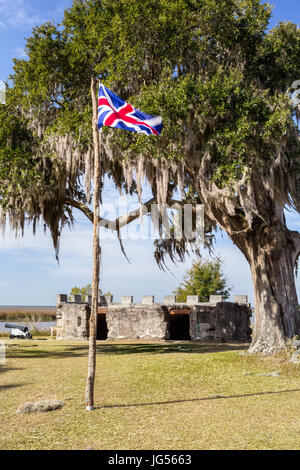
{"x": 215, "y": 320}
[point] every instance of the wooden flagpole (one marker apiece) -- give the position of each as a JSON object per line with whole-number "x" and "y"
{"x": 90, "y": 385}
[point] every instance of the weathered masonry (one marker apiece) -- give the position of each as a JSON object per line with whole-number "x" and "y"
{"x": 212, "y": 321}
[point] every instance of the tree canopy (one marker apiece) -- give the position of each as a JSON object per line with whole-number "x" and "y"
{"x": 85, "y": 291}
{"x": 205, "y": 278}
{"x": 221, "y": 81}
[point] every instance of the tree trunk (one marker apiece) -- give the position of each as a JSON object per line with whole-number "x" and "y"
{"x": 270, "y": 251}
{"x": 96, "y": 255}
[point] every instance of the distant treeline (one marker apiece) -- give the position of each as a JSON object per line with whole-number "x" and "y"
{"x": 28, "y": 314}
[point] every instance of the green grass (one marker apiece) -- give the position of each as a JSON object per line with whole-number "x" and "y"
{"x": 149, "y": 396}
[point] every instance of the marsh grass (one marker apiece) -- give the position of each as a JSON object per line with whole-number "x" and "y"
{"x": 27, "y": 314}
{"x": 38, "y": 332}
{"x": 4, "y": 334}
{"x": 149, "y": 395}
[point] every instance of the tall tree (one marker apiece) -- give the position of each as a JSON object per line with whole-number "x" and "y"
{"x": 221, "y": 81}
{"x": 205, "y": 278}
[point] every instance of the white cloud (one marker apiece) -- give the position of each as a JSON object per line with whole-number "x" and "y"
{"x": 16, "y": 14}
{"x": 20, "y": 53}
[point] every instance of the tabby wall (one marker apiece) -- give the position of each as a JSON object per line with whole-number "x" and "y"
{"x": 72, "y": 321}
{"x": 224, "y": 322}
{"x": 212, "y": 321}
{"x": 137, "y": 321}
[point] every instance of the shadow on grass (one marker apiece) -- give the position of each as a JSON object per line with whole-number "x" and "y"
{"x": 170, "y": 347}
{"x": 31, "y": 353}
{"x": 10, "y": 386}
{"x": 4, "y": 369}
{"x": 192, "y": 400}
{"x": 62, "y": 351}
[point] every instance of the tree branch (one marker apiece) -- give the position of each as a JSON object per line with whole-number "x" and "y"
{"x": 117, "y": 224}
{"x": 124, "y": 220}
{"x": 82, "y": 207}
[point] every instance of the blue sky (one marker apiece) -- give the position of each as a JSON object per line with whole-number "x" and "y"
{"x": 29, "y": 274}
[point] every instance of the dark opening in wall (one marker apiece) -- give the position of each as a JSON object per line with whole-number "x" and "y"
{"x": 203, "y": 317}
{"x": 102, "y": 330}
{"x": 179, "y": 326}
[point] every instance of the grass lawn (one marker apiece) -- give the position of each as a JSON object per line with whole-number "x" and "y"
{"x": 150, "y": 395}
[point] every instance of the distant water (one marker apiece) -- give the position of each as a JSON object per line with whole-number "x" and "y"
{"x": 38, "y": 325}
{"x": 27, "y": 306}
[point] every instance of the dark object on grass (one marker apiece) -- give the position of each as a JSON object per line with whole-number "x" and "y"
{"x": 41, "y": 406}
{"x": 21, "y": 332}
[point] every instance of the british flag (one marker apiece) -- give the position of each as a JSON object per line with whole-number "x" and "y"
{"x": 114, "y": 112}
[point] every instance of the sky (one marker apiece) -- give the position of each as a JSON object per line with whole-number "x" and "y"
{"x": 29, "y": 273}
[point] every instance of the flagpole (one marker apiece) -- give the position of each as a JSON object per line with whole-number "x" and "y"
{"x": 90, "y": 385}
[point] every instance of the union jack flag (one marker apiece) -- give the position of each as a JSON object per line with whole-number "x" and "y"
{"x": 114, "y": 112}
